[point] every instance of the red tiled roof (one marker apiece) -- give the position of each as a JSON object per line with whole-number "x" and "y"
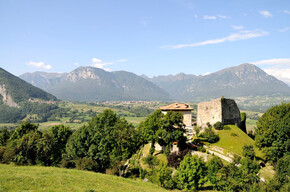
{"x": 176, "y": 107}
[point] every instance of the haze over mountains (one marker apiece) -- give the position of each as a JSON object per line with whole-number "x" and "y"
{"x": 239, "y": 81}
{"x": 94, "y": 84}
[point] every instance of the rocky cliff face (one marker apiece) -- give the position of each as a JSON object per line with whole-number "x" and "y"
{"x": 7, "y": 99}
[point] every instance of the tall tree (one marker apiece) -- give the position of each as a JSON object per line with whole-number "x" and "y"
{"x": 191, "y": 173}
{"x": 273, "y": 132}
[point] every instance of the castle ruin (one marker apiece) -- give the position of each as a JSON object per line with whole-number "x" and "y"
{"x": 224, "y": 110}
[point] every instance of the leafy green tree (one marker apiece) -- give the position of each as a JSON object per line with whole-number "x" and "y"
{"x": 213, "y": 166}
{"x": 26, "y": 148}
{"x": 238, "y": 178}
{"x": 4, "y": 136}
{"x": 164, "y": 177}
{"x": 273, "y": 132}
{"x": 209, "y": 136}
{"x": 248, "y": 151}
{"x": 191, "y": 173}
{"x": 107, "y": 140}
{"x": 283, "y": 169}
{"x": 22, "y": 129}
{"x": 162, "y": 128}
{"x": 59, "y": 135}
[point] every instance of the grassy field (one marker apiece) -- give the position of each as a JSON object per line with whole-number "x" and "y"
{"x": 36, "y": 178}
{"x": 234, "y": 140}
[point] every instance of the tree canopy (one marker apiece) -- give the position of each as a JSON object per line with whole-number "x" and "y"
{"x": 273, "y": 132}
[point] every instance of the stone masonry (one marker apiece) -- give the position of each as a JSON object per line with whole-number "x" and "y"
{"x": 222, "y": 109}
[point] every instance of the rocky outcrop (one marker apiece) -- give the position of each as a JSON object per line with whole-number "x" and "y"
{"x": 7, "y": 99}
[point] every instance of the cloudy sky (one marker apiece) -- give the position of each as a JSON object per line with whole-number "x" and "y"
{"x": 151, "y": 37}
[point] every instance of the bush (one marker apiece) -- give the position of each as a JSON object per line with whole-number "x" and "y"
{"x": 86, "y": 163}
{"x": 164, "y": 178}
{"x": 218, "y": 126}
{"x": 248, "y": 151}
{"x": 209, "y": 136}
{"x": 191, "y": 173}
{"x": 151, "y": 160}
{"x": 234, "y": 134}
{"x": 174, "y": 159}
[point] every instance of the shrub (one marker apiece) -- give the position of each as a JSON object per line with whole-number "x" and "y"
{"x": 248, "y": 151}
{"x": 218, "y": 126}
{"x": 174, "y": 159}
{"x": 86, "y": 163}
{"x": 209, "y": 136}
{"x": 191, "y": 173}
{"x": 234, "y": 134}
{"x": 151, "y": 160}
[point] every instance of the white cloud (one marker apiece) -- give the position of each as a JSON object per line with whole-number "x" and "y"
{"x": 76, "y": 64}
{"x": 265, "y": 13}
{"x": 222, "y": 16}
{"x": 241, "y": 35}
{"x": 282, "y": 61}
{"x": 237, "y": 27}
{"x": 209, "y": 17}
{"x": 213, "y": 17}
{"x": 279, "y": 68}
{"x": 287, "y": 12}
{"x": 121, "y": 60}
{"x": 96, "y": 60}
{"x": 207, "y": 73}
{"x": 100, "y": 64}
{"x": 284, "y": 29}
{"x": 38, "y": 65}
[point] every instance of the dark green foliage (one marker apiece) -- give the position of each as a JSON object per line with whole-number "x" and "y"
{"x": 243, "y": 122}
{"x": 86, "y": 163}
{"x": 162, "y": 128}
{"x": 248, "y": 151}
{"x": 151, "y": 160}
{"x": 163, "y": 177}
{"x": 283, "y": 169}
{"x": 107, "y": 140}
{"x": 209, "y": 136}
{"x": 10, "y": 114}
{"x": 218, "y": 126}
{"x": 20, "y": 90}
{"x": 242, "y": 178}
{"x": 191, "y": 173}
{"x": 24, "y": 128}
{"x": 273, "y": 132}
{"x": 59, "y": 135}
{"x": 4, "y": 136}
{"x": 213, "y": 166}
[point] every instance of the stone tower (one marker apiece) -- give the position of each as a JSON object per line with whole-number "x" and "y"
{"x": 222, "y": 109}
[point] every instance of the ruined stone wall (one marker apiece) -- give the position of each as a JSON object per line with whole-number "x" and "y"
{"x": 222, "y": 109}
{"x": 230, "y": 112}
{"x": 209, "y": 112}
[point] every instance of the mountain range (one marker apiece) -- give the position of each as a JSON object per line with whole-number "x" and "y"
{"x": 239, "y": 81}
{"x": 94, "y": 84}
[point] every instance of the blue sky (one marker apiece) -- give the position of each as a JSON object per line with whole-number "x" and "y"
{"x": 151, "y": 37}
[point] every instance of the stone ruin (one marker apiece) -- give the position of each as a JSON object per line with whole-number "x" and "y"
{"x": 224, "y": 110}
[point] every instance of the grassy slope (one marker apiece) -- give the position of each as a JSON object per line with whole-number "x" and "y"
{"x": 235, "y": 143}
{"x": 36, "y": 178}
